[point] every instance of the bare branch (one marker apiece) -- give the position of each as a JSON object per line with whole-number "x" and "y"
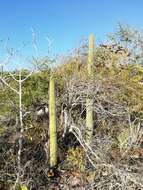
{"x": 9, "y": 86}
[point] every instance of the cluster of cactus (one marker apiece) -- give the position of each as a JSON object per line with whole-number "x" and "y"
{"x": 52, "y": 108}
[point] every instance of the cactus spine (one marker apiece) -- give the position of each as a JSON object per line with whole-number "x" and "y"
{"x": 52, "y": 123}
{"x": 89, "y": 101}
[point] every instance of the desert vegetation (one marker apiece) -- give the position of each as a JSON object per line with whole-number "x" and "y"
{"x": 78, "y": 124}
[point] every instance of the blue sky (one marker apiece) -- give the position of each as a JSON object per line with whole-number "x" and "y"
{"x": 66, "y": 22}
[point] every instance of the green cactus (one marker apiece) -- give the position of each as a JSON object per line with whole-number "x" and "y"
{"x": 90, "y": 55}
{"x": 52, "y": 123}
{"x": 89, "y": 101}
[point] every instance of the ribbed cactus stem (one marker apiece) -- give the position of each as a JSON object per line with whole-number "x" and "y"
{"x": 52, "y": 123}
{"x": 89, "y": 100}
{"x": 90, "y": 55}
{"x": 89, "y": 119}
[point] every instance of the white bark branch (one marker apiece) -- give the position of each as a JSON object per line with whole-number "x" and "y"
{"x": 9, "y": 86}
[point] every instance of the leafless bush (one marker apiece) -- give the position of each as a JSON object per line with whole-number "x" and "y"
{"x": 110, "y": 155}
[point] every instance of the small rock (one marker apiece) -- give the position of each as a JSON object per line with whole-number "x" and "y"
{"x": 75, "y": 181}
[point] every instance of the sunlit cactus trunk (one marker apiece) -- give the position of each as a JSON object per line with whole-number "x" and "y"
{"x": 89, "y": 100}
{"x": 52, "y": 123}
{"x": 90, "y": 62}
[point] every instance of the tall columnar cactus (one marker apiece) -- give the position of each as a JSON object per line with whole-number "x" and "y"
{"x": 52, "y": 123}
{"x": 89, "y": 100}
{"x": 90, "y": 55}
